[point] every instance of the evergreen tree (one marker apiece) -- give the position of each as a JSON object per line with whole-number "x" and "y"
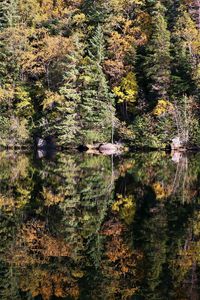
{"x": 9, "y": 43}
{"x": 185, "y": 49}
{"x": 60, "y": 108}
{"x": 95, "y": 11}
{"x": 157, "y": 60}
{"x": 172, "y": 7}
{"x": 97, "y": 111}
{"x": 136, "y": 48}
{"x": 8, "y": 13}
{"x": 67, "y": 125}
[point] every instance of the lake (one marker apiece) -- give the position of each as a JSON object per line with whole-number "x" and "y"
{"x": 80, "y": 226}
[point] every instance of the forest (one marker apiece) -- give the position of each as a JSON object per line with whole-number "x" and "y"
{"x": 82, "y": 227}
{"x": 77, "y": 74}
{"x": 88, "y": 71}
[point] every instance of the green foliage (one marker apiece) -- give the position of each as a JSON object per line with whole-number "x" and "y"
{"x": 157, "y": 60}
{"x": 8, "y": 13}
{"x": 185, "y": 46}
{"x": 96, "y": 109}
{"x": 155, "y": 137}
{"x": 4, "y": 129}
{"x": 95, "y": 71}
{"x": 66, "y": 126}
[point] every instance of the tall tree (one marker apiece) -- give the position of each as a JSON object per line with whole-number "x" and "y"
{"x": 97, "y": 110}
{"x": 185, "y": 47}
{"x": 157, "y": 60}
{"x": 61, "y": 108}
{"x": 9, "y": 13}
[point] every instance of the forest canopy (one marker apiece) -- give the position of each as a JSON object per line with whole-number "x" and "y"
{"x": 80, "y": 71}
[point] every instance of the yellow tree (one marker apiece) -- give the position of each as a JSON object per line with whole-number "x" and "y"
{"x": 127, "y": 91}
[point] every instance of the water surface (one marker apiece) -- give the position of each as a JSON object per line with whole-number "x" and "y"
{"x": 78, "y": 226}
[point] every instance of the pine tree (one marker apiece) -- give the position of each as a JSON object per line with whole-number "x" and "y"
{"x": 64, "y": 118}
{"x": 4, "y": 6}
{"x": 95, "y": 11}
{"x": 185, "y": 50}
{"x": 172, "y": 7}
{"x": 68, "y": 123}
{"x": 157, "y": 60}
{"x": 8, "y": 13}
{"x": 9, "y": 18}
{"x": 97, "y": 111}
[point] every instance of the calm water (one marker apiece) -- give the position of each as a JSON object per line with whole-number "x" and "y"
{"x": 94, "y": 227}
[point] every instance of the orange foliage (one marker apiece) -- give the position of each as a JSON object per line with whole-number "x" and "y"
{"x": 115, "y": 69}
{"x": 48, "y": 284}
{"x": 123, "y": 41}
{"x": 34, "y": 245}
{"x": 43, "y": 51}
{"x": 113, "y": 228}
{"x": 120, "y": 263}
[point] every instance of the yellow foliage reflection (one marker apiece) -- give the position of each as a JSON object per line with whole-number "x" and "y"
{"x": 126, "y": 207}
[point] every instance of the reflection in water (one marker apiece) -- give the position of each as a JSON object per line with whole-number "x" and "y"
{"x": 95, "y": 227}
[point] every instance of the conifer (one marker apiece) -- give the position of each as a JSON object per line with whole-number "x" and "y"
{"x": 97, "y": 111}
{"x": 157, "y": 60}
{"x": 66, "y": 125}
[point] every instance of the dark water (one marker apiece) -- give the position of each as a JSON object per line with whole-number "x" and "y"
{"x": 94, "y": 227}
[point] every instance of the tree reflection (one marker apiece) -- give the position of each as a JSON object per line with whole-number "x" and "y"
{"x": 95, "y": 227}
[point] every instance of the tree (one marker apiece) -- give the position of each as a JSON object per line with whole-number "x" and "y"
{"x": 127, "y": 92}
{"x": 67, "y": 125}
{"x": 157, "y": 56}
{"x": 194, "y": 9}
{"x": 8, "y": 13}
{"x": 96, "y": 110}
{"x": 8, "y": 20}
{"x": 186, "y": 47}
